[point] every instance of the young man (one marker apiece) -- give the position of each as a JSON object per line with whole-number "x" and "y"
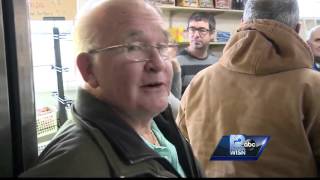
{"x": 116, "y": 129}
{"x": 263, "y": 85}
{"x": 201, "y": 28}
{"x": 313, "y": 41}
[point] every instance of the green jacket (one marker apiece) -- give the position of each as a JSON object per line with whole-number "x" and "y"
{"x": 97, "y": 143}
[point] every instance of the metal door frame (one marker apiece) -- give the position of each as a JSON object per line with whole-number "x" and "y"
{"x": 5, "y": 124}
{"x": 19, "y": 93}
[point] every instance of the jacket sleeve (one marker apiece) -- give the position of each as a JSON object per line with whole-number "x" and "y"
{"x": 315, "y": 141}
{"x": 72, "y": 153}
{"x": 312, "y": 120}
{"x": 174, "y": 103}
{"x": 69, "y": 164}
{"x": 176, "y": 84}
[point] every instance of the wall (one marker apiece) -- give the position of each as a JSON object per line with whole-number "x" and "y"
{"x": 307, "y": 24}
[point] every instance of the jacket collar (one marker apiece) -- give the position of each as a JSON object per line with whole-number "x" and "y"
{"x": 263, "y": 47}
{"x": 102, "y": 116}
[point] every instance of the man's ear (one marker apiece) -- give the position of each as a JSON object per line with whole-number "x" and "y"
{"x": 85, "y": 63}
{"x": 297, "y": 29}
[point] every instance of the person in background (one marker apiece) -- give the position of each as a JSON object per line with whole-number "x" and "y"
{"x": 201, "y": 27}
{"x": 175, "y": 88}
{"x": 174, "y": 103}
{"x": 174, "y": 98}
{"x": 176, "y": 80}
{"x": 313, "y": 41}
{"x": 117, "y": 129}
{"x": 263, "y": 85}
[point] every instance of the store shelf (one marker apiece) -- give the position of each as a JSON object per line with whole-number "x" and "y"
{"x": 192, "y": 9}
{"x": 218, "y": 43}
{"x": 211, "y": 43}
{"x": 173, "y": 10}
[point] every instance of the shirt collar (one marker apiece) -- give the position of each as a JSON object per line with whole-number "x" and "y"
{"x": 102, "y": 116}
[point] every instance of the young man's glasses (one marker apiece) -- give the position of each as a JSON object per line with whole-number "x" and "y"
{"x": 139, "y": 51}
{"x": 201, "y": 31}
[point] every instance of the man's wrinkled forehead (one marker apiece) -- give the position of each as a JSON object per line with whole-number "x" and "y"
{"x": 115, "y": 20}
{"x": 124, "y": 11}
{"x": 133, "y": 18}
{"x": 135, "y": 34}
{"x": 200, "y": 22}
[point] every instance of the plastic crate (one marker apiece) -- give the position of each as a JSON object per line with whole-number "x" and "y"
{"x": 46, "y": 122}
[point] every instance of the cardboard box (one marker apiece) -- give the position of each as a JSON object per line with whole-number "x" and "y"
{"x": 223, "y": 4}
{"x": 188, "y": 3}
{"x": 206, "y": 3}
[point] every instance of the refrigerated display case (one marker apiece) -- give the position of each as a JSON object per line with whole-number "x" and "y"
{"x": 54, "y": 75}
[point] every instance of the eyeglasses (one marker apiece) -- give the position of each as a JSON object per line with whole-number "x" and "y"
{"x": 139, "y": 51}
{"x": 202, "y": 31}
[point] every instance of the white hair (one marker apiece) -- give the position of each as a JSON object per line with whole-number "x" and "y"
{"x": 311, "y": 31}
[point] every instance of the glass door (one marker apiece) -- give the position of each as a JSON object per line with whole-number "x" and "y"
{"x": 55, "y": 79}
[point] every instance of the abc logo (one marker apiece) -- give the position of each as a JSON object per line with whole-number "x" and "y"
{"x": 249, "y": 143}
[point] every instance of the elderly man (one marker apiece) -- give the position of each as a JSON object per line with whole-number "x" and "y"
{"x": 262, "y": 87}
{"x": 313, "y": 41}
{"x": 116, "y": 130}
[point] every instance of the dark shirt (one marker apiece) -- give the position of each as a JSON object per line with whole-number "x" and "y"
{"x": 316, "y": 65}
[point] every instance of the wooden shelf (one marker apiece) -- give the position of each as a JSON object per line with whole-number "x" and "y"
{"x": 218, "y": 43}
{"x": 211, "y": 43}
{"x": 192, "y": 9}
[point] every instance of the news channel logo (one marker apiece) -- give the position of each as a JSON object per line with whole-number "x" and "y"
{"x": 240, "y": 147}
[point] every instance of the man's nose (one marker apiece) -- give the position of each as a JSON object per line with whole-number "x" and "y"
{"x": 196, "y": 33}
{"x": 156, "y": 62}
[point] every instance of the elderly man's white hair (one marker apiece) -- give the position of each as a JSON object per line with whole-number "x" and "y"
{"x": 311, "y": 31}
{"x": 284, "y": 11}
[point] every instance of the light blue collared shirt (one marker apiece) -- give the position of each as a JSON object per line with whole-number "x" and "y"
{"x": 166, "y": 149}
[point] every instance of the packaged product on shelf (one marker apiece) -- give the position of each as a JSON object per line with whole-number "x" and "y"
{"x": 177, "y": 34}
{"x": 188, "y": 3}
{"x": 238, "y": 4}
{"x": 223, "y": 4}
{"x": 163, "y": 2}
{"x": 223, "y": 36}
{"x": 206, "y": 3}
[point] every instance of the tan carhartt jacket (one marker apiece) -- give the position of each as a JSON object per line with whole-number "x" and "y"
{"x": 262, "y": 85}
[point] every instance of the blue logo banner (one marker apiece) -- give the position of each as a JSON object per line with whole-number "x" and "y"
{"x": 240, "y": 147}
